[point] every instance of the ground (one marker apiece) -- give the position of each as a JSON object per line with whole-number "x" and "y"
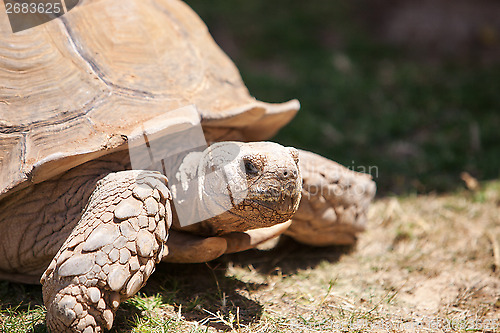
{"x": 425, "y": 264}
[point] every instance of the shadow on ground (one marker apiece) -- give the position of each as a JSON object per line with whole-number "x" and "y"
{"x": 288, "y": 257}
{"x": 198, "y": 291}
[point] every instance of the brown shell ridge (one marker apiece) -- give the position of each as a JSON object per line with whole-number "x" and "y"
{"x": 56, "y": 120}
{"x": 79, "y": 50}
{"x": 57, "y": 163}
{"x": 17, "y": 140}
{"x": 255, "y": 109}
{"x": 256, "y": 120}
{"x": 121, "y": 90}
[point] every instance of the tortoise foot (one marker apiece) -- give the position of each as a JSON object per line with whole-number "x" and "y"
{"x": 72, "y": 309}
{"x": 110, "y": 254}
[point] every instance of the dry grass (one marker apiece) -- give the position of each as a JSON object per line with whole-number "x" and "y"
{"x": 425, "y": 264}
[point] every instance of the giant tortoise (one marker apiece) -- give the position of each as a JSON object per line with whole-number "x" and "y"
{"x": 77, "y": 216}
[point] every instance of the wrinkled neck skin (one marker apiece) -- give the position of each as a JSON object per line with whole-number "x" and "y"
{"x": 238, "y": 187}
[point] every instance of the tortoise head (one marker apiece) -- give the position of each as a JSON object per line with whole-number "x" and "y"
{"x": 245, "y": 186}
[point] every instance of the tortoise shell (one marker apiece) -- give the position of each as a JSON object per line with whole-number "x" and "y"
{"x": 72, "y": 89}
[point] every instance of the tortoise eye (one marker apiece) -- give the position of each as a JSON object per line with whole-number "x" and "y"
{"x": 251, "y": 168}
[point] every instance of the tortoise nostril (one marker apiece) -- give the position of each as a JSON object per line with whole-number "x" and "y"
{"x": 288, "y": 174}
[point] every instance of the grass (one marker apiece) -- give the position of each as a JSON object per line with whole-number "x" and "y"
{"x": 426, "y": 263}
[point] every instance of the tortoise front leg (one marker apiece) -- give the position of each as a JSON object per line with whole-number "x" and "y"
{"x": 110, "y": 254}
{"x": 334, "y": 202}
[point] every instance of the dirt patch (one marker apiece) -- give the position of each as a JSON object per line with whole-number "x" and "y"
{"x": 425, "y": 264}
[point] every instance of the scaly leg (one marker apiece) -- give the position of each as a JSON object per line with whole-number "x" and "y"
{"x": 110, "y": 254}
{"x": 334, "y": 202}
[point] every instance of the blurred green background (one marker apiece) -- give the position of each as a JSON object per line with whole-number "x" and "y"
{"x": 412, "y": 88}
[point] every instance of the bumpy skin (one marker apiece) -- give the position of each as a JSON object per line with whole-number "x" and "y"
{"x": 332, "y": 211}
{"x": 334, "y": 202}
{"x": 102, "y": 229}
{"x": 110, "y": 254}
{"x": 273, "y": 188}
{"x": 36, "y": 221}
{"x": 196, "y": 249}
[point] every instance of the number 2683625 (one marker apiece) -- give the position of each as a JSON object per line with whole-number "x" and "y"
{"x": 33, "y": 8}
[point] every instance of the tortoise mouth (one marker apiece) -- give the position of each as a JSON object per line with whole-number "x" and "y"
{"x": 284, "y": 203}
{"x": 274, "y": 193}
{"x": 281, "y": 199}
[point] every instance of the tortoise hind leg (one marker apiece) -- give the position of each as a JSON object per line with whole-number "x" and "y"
{"x": 334, "y": 202}
{"x": 110, "y": 254}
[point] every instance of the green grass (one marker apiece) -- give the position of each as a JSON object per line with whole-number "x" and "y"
{"x": 364, "y": 103}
